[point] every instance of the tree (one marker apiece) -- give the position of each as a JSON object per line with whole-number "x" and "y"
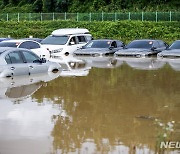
{"x": 37, "y": 6}
{"x": 49, "y": 5}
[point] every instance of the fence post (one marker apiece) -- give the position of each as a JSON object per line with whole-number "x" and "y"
{"x": 41, "y": 17}
{"x": 53, "y": 16}
{"x": 90, "y": 16}
{"x": 129, "y": 15}
{"x": 77, "y": 17}
{"x": 7, "y": 17}
{"x": 142, "y": 16}
{"x": 18, "y": 17}
{"x": 156, "y": 16}
{"x": 65, "y": 16}
{"x": 102, "y": 16}
{"x": 115, "y": 16}
{"x": 170, "y": 16}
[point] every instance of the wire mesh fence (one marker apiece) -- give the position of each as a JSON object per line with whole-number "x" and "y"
{"x": 142, "y": 16}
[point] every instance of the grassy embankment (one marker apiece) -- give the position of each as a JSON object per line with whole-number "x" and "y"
{"x": 123, "y": 30}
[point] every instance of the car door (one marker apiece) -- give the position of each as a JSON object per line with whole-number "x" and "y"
{"x": 72, "y": 45}
{"x": 34, "y": 64}
{"x": 16, "y": 64}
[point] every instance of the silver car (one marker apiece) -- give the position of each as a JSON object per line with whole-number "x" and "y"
{"x": 16, "y": 61}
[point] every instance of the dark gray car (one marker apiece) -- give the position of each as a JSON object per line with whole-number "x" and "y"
{"x": 100, "y": 47}
{"x": 172, "y": 51}
{"x": 141, "y": 48}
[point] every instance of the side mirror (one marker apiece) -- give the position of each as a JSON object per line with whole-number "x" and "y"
{"x": 111, "y": 47}
{"x": 153, "y": 48}
{"x": 41, "y": 60}
{"x": 71, "y": 43}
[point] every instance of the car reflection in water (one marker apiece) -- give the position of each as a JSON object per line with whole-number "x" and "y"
{"x": 20, "y": 87}
{"x": 71, "y": 66}
{"x": 143, "y": 63}
{"x": 174, "y": 63}
{"x": 101, "y": 62}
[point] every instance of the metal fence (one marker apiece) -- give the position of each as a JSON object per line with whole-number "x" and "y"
{"x": 142, "y": 16}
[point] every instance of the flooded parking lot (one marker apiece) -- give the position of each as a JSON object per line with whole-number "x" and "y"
{"x": 94, "y": 105}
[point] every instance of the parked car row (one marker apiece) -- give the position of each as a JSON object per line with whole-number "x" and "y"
{"x": 136, "y": 48}
{"x": 26, "y": 56}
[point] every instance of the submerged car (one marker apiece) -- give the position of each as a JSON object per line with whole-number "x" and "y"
{"x": 16, "y": 61}
{"x": 102, "y": 47}
{"x": 172, "y": 51}
{"x": 66, "y": 41}
{"x": 34, "y": 46}
{"x": 140, "y": 48}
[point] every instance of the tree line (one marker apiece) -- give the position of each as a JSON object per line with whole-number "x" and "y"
{"x": 93, "y": 6}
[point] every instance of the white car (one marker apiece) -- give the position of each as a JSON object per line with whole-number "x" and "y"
{"x": 17, "y": 61}
{"x": 34, "y": 46}
{"x": 66, "y": 41}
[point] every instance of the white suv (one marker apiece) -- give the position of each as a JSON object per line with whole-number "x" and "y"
{"x": 66, "y": 41}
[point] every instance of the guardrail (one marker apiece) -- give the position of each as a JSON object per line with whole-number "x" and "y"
{"x": 142, "y": 16}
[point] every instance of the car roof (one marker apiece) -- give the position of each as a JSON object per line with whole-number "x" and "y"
{"x": 70, "y": 31}
{"x": 147, "y": 40}
{"x": 15, "y": 40}
{"x": 18, "y": 41}
{"x": 4, "y": 49}
{"x": 105, "y": 40}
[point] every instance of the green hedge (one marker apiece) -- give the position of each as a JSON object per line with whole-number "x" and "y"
{"x": 123, "y": 30}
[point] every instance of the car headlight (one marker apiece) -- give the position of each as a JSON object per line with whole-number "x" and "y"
{"x": 57, "y": 50}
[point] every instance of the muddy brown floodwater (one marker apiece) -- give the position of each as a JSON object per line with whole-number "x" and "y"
{"x": 95, "y": 105}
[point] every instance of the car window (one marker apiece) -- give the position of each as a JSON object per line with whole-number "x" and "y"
{"x": 8, "y": 44}
{"x": 15, "y": 57}
{"x": 29, "y": 45}
{"x": 140, "y": 44}
{"x": 119, "y": 44}
{"x": 81, "y": 39}
{"x": 162, "y": 44}
{"x": 175, "y": 45}
{"x": 89, "y": 38}
{"x": 8, "y": 60}
{"x": 30, "y": 57}
{"x": 113, "y": 44}
{"x": 98, "y": 44}
{"x": 156, "y": 44}
{"x": 55, "y": 40}
{"x": 73, "y": 41}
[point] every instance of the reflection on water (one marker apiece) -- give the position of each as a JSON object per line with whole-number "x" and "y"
{"x": 128, "y": 108}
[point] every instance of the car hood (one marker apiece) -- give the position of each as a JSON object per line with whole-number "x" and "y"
{"x": 52, "y": 47}
{"x": 92, "y": 51}
{"x": 173, "y": 52}
{"x": 133, "y": 51}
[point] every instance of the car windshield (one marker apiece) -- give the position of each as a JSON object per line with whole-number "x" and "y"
{"x": 175, "y": 45}
{"x": 140, "y": 44}
{"x": 55, "y": 40}
{"x": 98, "y": 44}
{"x": 8, "y": 44}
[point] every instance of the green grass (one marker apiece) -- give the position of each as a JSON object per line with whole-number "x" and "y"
{"x": 123, "y": 30}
